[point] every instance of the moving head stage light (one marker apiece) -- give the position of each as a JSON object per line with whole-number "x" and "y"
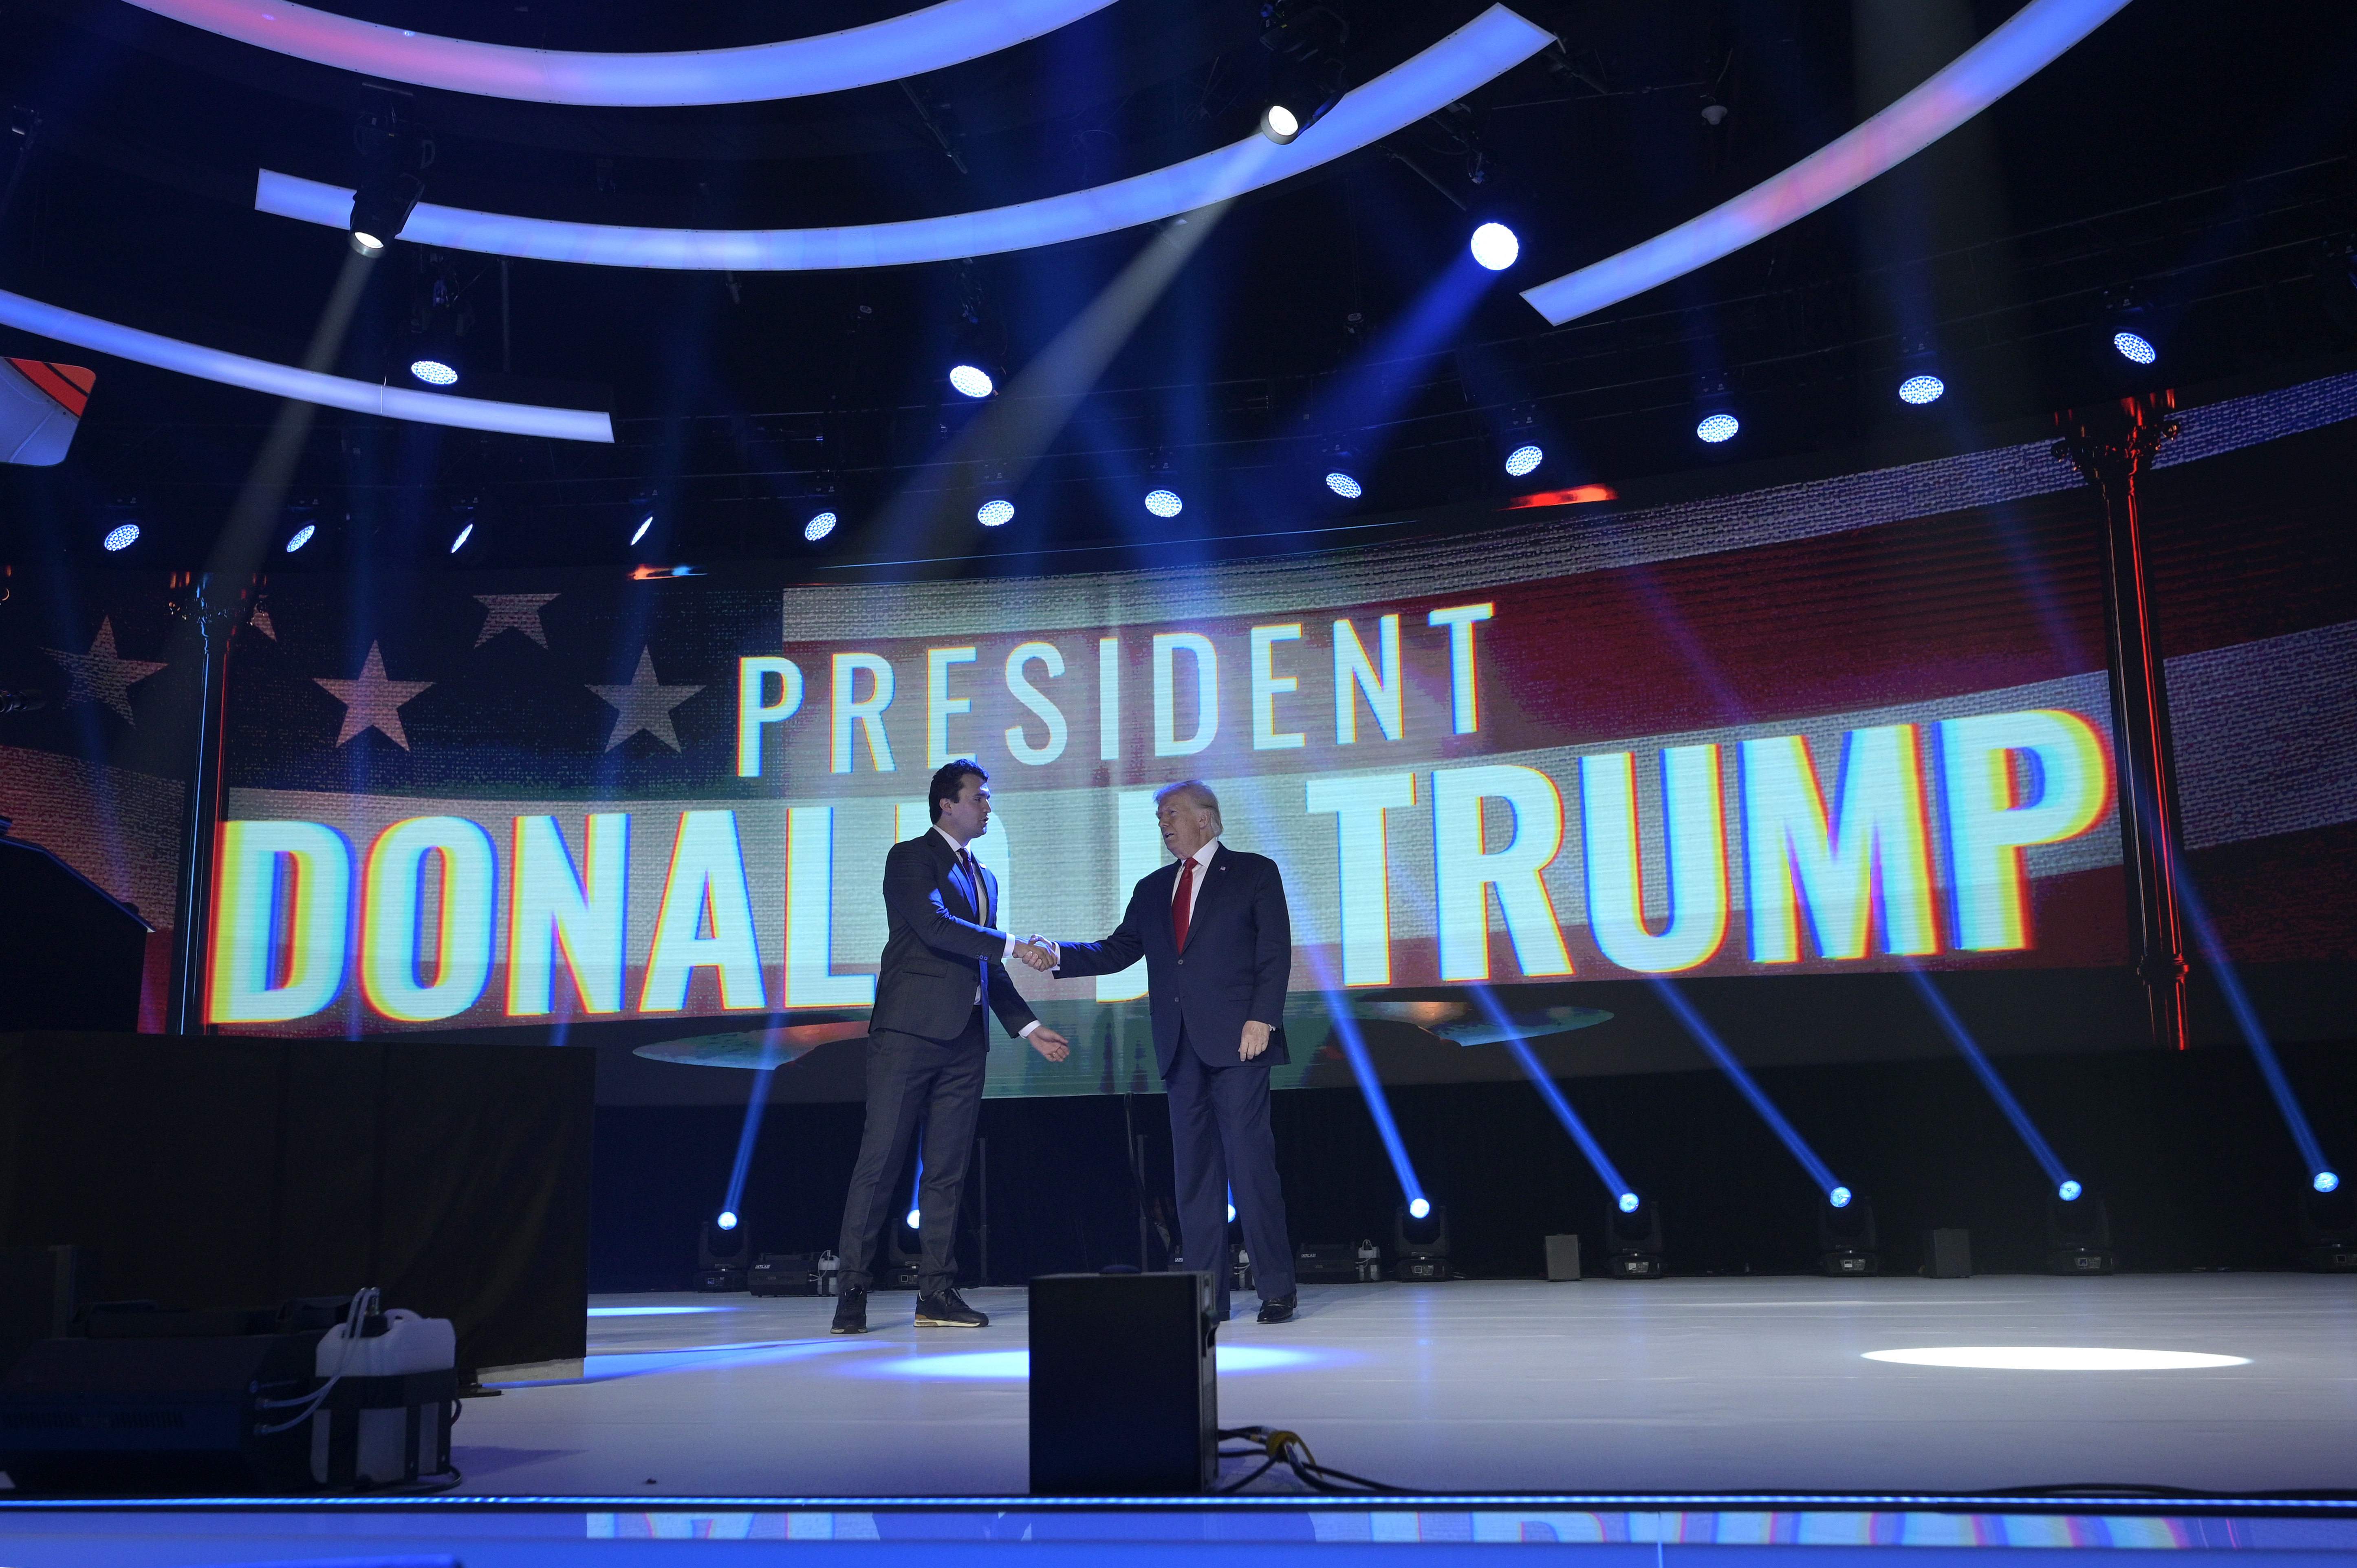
{"x": 2328, "y": 1229}
{"x": 1633, "y": 1238}
{"x": 1846, "y": 1243}
{"x": 2078, "y": 1233}
{"x": 1420, "y": 1243}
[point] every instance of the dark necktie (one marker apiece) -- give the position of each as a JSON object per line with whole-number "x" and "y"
{"x": 973, "y": 882}
{"x": 1182, "y": 906}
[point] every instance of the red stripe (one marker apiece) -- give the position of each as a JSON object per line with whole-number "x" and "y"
{"x": 42, "y": 374}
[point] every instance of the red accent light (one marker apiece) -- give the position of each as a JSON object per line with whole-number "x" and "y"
{"x": 1578, "y": 494}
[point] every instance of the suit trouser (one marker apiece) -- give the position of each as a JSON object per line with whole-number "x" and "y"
{"x": 1220, "y": 1140}
{"x": 911, "y": 1076}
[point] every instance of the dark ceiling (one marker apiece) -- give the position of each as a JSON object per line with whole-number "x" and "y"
{"x": 2185, "y": 152}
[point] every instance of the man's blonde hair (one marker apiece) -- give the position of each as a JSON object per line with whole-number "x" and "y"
{"x": 1196, "y": 791}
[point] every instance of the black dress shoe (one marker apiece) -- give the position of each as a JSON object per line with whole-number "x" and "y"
{"x": 850, "y": 1312}
{"x": 1280, "y": 1310}
{"x": 947, "y": 1309}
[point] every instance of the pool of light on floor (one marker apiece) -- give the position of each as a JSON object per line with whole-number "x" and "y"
{"x": 651, "y": 1311}
{"x": 1014, "y": 1366}
{"x": 2055, "y": 1358}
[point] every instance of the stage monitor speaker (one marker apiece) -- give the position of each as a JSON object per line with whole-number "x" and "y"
{"x": 1947, "y": 1254}
{"x": 1563, "y": 1257}
{"x": 1123, "y": 1401}
{"x": 158, "y": 1416}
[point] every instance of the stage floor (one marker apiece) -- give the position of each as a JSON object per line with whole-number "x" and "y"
{"x": 1672, "y": 1386}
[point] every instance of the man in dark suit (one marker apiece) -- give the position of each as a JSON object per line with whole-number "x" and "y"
{"x": 1218, "y": 944}
{"x": 927, "y": 1044}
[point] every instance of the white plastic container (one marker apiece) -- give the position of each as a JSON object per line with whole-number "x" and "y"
{"x": 409, "y": 1343}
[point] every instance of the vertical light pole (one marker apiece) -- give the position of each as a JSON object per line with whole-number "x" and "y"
{"x": 2112, "y": 445}
{"x": 215, "y": 604}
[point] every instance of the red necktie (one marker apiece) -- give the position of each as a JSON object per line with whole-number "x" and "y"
{"x": 1182, "y": 906}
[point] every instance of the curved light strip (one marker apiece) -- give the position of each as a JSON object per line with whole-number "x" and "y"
{"x": 290, "y": 380}
{"x": 2021, "y": 46}
{"x": 941, "y": 35}
{"x": 1491, "y": 43}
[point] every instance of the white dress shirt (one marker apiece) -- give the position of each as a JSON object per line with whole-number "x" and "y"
{"x": 1202, "y": 859}
{"x": 983, "y": 913}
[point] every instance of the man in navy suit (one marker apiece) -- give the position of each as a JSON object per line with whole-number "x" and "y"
{"x": 1218, "y": 944}
{"x": 928, "y": 1046}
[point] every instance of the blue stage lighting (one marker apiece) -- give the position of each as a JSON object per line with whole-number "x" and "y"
{"x": 1418, "y": 1208}
{"x": 929, "y": 38}
{"x": 2134, "y": 348}
{"x": 1424, "y": 84}
{"x": 292, "y": 381}
{"x": 2024, "y": 44}
{"x": 1164, "y": 503}
{"x": 971, "y": 380}
{"x": 1920, "y": 389}
{"x": 122, "y": 536}
{"x": 2031, "y": 1139}
{"x": 1232, "y": 1214}
{"x": 1524, "y": 459}
{"x": 1549, "y": 1092}
{"x": 1345, "y": 485}
{"x": 2069, "y": 1191}
{"x": 727, "y": 1220}
{"x": 914, "y": 1216}
{"x": 1628, "y": 1202}
{"x": 2327, "y": 1182}
{"x": 1839, "y": 1198}
{"x": 1717, "y": 427}
{"x": 994, "y": 513}
{"x": 1495, "y": 247}
{"x": 645, "y": 524}
{"x": 818, "y": 527}
{"x": 460, "y": 542}
{"x": 302, "y": 537}
{"x": 1707, "y": 1038}
{"x": 434, "y": 372}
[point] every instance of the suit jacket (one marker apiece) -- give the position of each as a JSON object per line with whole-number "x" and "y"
{"x": 938, "y": 951}
{"x": 1238, "y": 957}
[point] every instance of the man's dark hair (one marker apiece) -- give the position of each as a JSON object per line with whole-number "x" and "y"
{"x": 949, "y": 782}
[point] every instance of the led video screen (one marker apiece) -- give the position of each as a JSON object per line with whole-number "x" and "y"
{"x": 1501, "y": 759}
{"x": 1849, "y": 725}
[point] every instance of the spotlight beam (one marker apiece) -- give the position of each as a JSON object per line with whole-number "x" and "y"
{"x": 1371, "y": 1089}
{"x": 229, "y": 567}
{"x": 303, "y": 385}
{"x": 2247, "y": 1018}
{"x": 1706, "y": 1037}
{"x": 1491, "y": 43}
{"x": 745, "y": 1139}
{"x": 1015, "y": 429}
{"x": 2023, "y": 44}
{"x": 1553, "y": 1094}
{"x": 2038, "y": 1148}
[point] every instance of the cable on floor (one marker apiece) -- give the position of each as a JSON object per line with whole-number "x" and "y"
{"x": 1287, "y": 1448}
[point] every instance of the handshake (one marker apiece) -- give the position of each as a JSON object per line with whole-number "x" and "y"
{"x": 1039, "y": 952}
